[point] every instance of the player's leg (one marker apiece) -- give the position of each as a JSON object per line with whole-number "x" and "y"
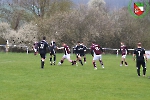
{"x": 94, "y": 62}
{"x": 80, "y": 60}
{"x": 124, "y": 59}
{"x": 42, "y": 60}
{"x": 77, "y": 59}
{"x": 84, "y": 57}
{"x": 100, "y": 60}
{"x": 69, "y": 59}
{"x": 35, "y": 51}
{"x": 138, "y": 65}
{"x": 50, "y": 59}
{"x": 121, "y": 63}
{"x": 144, "y": 68}
{"x": 54, "y": 59}
{"x": 62, "y": 60}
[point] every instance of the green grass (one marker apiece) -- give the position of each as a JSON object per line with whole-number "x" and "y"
{"x": 22, "y": 79}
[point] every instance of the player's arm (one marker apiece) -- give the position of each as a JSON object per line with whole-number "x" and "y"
{"x": 75, "y": 50}
{"x": 60, "y": 48}
{"x": 134, "y": 55}
{"x": 85, "y": 48}
{"x": 127, "y": 50}
{"x": 32, "y": 47}
{"x": 92, "y": 53}
{"x": 38, "y": 45}
{"x": 101, "y": 49}
{"x": 55, "y": 47}
{"x": 48, "y": 46}
{"x": 120, "y": 50}
{"x": 145, "y": 57}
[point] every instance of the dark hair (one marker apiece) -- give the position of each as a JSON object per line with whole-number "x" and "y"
{"x": 139, "y": 44}
{"x": 93, "y": 42}
{"x": 78, "y": 42}
{"x": 44, "y": 38}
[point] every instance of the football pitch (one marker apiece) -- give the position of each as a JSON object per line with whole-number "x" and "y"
{"x": 21, "y": 78}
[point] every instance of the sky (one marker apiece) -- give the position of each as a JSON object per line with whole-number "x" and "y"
{"x": 109, "y": 3}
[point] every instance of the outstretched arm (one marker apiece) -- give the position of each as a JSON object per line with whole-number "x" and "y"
{"x": 60, "y": 48}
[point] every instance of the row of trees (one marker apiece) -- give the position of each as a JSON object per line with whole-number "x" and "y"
{"x": 26, "y": 21}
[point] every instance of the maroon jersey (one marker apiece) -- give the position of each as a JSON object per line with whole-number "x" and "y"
{"x": 96, "y": 49}
{"x": 35, "y": 45}
{"x": 123, "y": 49}
{"x": 66, "y": 49}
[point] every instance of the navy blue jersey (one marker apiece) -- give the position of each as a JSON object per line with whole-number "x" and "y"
{"x": 42, "y": 46}
{"x": 52, "y": 48}
{"x": 139, "y": 52}
{"x": 83, "y": 48}
{"x": 78, "y": 49}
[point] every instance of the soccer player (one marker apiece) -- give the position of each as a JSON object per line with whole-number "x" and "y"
{"x": 66, "y": 55}
{"x": 35, "y": 48}
{"x": 140, "y": 55}
{"x": 96, "y": 52}
{"x": 43, "y": 45}
{"x": 124, "y": 51}
{"x": 78, "y": 52}
{"x": 83, "y": 50}
{"x": 52, "y": 48}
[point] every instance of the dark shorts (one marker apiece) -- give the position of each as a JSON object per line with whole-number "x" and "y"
{"x": 43, "y": 55}
{"x": 140, "y": 63}
{"x": 80, "y": 54}
{"x": 77, "y": 55}
{"x": 52, "y": 53}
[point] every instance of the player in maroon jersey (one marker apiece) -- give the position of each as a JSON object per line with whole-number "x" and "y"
{"x": 35, "y": 48}
{"x": 96, "y": 52}
{"x": 66, "y": 55}
{"x": 124, "y": 51}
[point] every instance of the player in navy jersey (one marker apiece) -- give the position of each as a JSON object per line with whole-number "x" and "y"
{"x": 42, "y": 45}
{"x": 124, "y": 52}
{"x": 66, "y": 55}
{"x": 52, "y": 48}
{"x": 78, "y": 51}
{"x": 96, "y": 52}
{"x": 140, "y": 55}
{"x": 83, "y": 51}
{"x": 35, "y": 48}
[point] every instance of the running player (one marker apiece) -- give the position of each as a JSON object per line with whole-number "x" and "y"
{"x": 96, "y": 52}
{"x": 43, "y": 45}
{"x": 35, "y": 48}
{"x": 124, "y": 51}
{"x": 78, "y": 52}
{"x": 66, "y": 55}
{"x": 52, "y": 48}
{"x": 140, "y": 55}
{"x": 83, "y": 50}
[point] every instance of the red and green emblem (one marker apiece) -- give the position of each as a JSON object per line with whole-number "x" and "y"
{"x": 139, "y": 8}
